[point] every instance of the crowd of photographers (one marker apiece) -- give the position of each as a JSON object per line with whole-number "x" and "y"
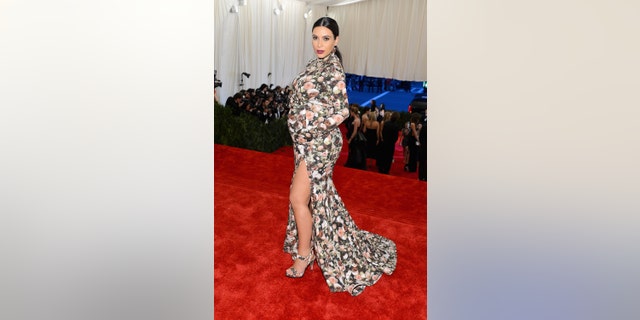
{"x": 266, "y": 103}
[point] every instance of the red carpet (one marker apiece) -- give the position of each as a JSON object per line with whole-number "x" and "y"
{"x": 251, "y": 205}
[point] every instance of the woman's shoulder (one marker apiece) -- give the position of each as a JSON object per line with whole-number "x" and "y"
{"x": 334, "y": 65}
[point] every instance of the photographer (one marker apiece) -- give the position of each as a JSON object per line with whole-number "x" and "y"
{"x": 216, "y": 83}
{"x": 235, "y": 103}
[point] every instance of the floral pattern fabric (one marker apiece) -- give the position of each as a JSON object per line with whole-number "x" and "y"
{"x": 350, "y": 258}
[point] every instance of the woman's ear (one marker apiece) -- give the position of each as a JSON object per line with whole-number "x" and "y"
{"x": 337, "y": 40}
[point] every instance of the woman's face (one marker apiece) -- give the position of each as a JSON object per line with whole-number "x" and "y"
{"x": 323, "y": 41}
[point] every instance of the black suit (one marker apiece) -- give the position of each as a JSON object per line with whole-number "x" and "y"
{"x": 422, "y": 154}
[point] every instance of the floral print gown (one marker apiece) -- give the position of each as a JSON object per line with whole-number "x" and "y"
{"x": 350, "y": 258}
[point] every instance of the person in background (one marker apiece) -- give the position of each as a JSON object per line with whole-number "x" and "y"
{"x": 357, "y": 157}
{"x": 374, "y": 106}
{"x": 235, "y": 103}
{"x": 413, "y": 142}
{"x": 381, "y": 111}
{"x": 422, "y": 153}
{"x": 364, "y": 118}
{"x": 406, "y": 131}
{"x": 389, "y": 137}
{"x": 371, "y": 129}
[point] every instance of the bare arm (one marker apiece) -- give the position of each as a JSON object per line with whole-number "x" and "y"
{"x": 356, "y": 127}
{"x": 415, "y": 133}
{"x": 365, "y": 120}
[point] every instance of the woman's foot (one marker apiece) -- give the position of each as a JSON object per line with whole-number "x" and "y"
{"x": 300, "y": 264}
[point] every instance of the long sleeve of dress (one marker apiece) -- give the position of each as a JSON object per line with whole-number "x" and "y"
{"x": 329, "y": 107}
{"x": 321, "y": 97}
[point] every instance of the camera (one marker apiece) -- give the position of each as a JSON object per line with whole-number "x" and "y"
{"x": 216, "y": 81}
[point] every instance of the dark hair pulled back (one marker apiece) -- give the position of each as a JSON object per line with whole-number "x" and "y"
{"x": 332, "y": 25}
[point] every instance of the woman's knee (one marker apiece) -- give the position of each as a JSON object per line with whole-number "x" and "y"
{"x": 298, "y": 198}
{"x": 296, "y": 202}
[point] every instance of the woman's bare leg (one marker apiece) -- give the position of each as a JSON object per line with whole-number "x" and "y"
{"x": 299, "y": 197}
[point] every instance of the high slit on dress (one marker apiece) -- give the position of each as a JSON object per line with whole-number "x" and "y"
{"x": 350, "y": 258}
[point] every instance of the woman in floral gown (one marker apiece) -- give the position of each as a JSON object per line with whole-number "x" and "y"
{"x": 319, "y": 225}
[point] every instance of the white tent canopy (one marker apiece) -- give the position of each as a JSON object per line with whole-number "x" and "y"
{"x": 378, "y": 38}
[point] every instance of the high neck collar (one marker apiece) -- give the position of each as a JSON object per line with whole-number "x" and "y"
{"x": 328, "y": 57}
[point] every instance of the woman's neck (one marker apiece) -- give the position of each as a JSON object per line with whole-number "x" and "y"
{"x": 327, "y": 57}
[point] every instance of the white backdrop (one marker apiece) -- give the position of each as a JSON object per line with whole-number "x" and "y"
{"x": 380, "y": 38}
